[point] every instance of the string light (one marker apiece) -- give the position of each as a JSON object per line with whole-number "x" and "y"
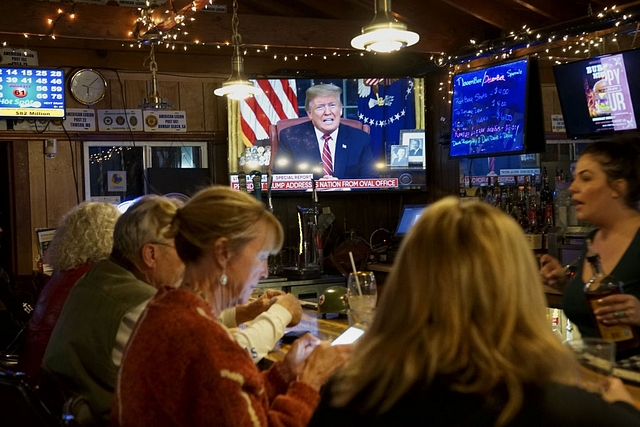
{"x": 177, "y": 37}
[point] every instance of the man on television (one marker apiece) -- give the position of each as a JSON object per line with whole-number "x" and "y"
{"x": 323, "y": 146}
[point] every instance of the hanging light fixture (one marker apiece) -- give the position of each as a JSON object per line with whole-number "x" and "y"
{"x": 384, "y": 33}
{"x": 237, "y": 86}
{"x": 154, "y": 101}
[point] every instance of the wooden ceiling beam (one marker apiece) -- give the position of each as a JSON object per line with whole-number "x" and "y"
{"x": 437, "y": 34}
{"x": 491, "y": 13}
{"x": 552, "y": 10}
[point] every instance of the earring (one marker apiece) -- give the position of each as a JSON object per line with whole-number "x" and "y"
{"x": 224, "y": 279}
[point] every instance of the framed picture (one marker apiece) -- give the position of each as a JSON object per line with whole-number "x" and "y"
{"x": 414, "y": 140}
{"x": 399, "y": 155}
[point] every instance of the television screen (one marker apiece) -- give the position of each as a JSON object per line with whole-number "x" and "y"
{"x": 31, "y": 93}
{"x": 497, "y": 110}
{"x": 395, "y": 149}
{"x": 599, "y": 95}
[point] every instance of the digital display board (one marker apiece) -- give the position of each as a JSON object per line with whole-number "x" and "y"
{"x": 600, "y": 96}
{"x": 495, "y": 110}
{"x": 31, "y": 93}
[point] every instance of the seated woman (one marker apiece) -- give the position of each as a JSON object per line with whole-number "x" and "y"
{"x": 84, "y": 236}
{"x": 182, "y": 366}
{"x": 461, "y": 338}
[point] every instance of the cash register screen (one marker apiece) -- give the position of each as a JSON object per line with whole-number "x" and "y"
{"x": 410, "y": 214}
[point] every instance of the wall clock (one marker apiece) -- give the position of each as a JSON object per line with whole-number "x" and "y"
{"x": 87, "y": 86}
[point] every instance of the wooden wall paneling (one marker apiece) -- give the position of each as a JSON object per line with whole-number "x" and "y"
{"x": 548, "y": 92}
{"x": 115, "y": 93}
{"x": 63, "y": 181}
{"x": 170, "y": 89}
{"x": 38, "y": 194}
{"x": 218, "y": 159}
{"x": 135, "y": 91}
{"x": 211, "y": 112}
{"x": 442, "y": 172}
{"x": 192, "y": 100}
{"x": 21, "y": 212}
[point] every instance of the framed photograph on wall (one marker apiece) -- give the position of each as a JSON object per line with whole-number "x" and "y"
{"x": 414, "y": 140}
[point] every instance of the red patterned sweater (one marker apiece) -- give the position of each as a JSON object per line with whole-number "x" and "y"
{"x": 181, "y": 367}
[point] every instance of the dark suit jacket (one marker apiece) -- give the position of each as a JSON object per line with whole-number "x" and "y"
{"x": 353, "y": 156}
{"x": 417, "y": 152}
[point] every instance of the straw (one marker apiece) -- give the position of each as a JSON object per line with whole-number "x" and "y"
{"x": 355, "y": 273}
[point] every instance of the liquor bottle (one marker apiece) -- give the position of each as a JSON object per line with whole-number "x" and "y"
{"x": 555, "y": 323}
{"x": 545, "y": 194}
{"x": 599, "y": 286}
{"x": 532, "y": 217}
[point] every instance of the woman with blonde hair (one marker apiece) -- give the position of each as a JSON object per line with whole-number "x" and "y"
{"x": 182, "y": 366}
{"x": 83, "y": 236}
{"x": 461, "y": 338}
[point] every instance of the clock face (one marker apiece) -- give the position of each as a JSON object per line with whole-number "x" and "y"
{"x": 88, "y": 86}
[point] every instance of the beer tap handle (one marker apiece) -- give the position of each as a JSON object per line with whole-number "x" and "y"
{"x": 269, "y": 183}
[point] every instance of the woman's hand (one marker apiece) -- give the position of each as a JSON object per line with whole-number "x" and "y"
{"x": 297, "y": 355}
{"x": 552, "y": 272}
{"x": 323, "y": 362}
{"x": 617, "y": 392}
{"x": 619, "y": 309}
{"x": 252, "y": 309}
{"x": 292, "y": 304}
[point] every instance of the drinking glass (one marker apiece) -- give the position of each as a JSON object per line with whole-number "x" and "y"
{"x": 362, "y": 291}
{"x": 597, "y": 358}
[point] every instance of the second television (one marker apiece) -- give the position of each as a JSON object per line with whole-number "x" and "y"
{"x": 599, "y": 96}
{"x": 497, "y": 110}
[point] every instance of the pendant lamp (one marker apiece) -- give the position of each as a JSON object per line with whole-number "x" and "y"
{"x": 384, "y": 33}
{"x": 237, "y": 86}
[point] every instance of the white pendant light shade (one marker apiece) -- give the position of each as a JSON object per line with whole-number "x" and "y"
{"x": 384, "y": 33}
{"x": 237, "y": 86}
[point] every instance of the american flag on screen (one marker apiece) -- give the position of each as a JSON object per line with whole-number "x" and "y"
{"x": 277, "y": 100}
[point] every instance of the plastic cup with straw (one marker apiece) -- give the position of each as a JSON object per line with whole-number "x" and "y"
{"x": 355, "y": 273}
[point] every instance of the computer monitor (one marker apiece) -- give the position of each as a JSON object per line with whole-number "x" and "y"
{"x": 410, "y": 214}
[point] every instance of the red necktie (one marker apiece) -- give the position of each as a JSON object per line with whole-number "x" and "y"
{"x": 327, "y": 162}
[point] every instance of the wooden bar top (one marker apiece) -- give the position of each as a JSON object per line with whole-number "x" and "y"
{"x": 334, "y": 325}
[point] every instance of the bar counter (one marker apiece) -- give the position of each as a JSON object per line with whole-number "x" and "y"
{"x": 334, "y": 325}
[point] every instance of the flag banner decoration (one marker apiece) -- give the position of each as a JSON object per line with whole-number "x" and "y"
{"x": 276, "y": 100}
{"x": 387, "y": 106}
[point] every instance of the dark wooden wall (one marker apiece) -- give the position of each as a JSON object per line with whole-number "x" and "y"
{"x": 41, "y": 190}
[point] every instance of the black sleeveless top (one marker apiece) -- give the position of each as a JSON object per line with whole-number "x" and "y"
{"x": 574, "y": 302}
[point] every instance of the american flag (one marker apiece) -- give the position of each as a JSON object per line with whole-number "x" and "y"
{"x": 276, "y": 101}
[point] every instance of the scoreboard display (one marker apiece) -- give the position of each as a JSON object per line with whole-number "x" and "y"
{"x": 32, "y": 93}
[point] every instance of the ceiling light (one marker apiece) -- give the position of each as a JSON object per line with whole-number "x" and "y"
{"x": 154, "y": 101}
{"x": 237, "y": 86}
{"x": 384, "y": 33}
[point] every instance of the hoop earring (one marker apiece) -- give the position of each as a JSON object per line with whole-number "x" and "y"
{"x": 224, "y": 279}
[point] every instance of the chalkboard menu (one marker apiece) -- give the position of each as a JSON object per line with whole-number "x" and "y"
{"x": 34, "y": 93}
{"x": 490, "y": 110}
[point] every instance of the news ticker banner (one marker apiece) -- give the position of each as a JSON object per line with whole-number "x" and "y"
{"x": 302, "y": 182}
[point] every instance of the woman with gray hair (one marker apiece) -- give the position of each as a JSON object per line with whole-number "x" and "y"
{"x": 84, "y": 236}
